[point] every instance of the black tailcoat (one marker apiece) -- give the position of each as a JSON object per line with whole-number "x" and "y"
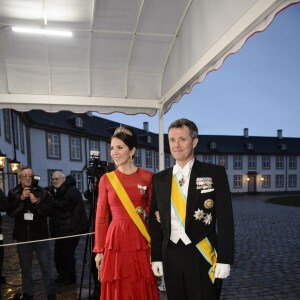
{"x": 220, "y": 231}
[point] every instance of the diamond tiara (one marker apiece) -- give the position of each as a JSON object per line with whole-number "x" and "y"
{"x": 122, "y": 129}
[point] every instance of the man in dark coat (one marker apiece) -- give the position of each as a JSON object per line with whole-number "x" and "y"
{"x": 191, "y": 221}
{"x": 30, "y": 204}
{"x": 69, "y": 219}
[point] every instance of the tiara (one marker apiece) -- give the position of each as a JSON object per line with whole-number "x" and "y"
{"x": 122, "y": 129}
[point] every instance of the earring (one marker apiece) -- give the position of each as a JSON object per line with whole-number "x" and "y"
{"x": 131, "y": 158}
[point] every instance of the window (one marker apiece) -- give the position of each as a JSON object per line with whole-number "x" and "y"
{"x": 237, "y": 181}
{"x": 207, "y": 159}
{"x": 167, "y": 160}
{"x": 148, "y": 159}
{"x": 279, "y": 162}
{"x": 15, "y": 129}
{"x": 22, "y": 140}
{"x": 94, "y": 149}
{"x": 279, "y": 181}
{"x": 78, "y": 122}
{"x": 292, "y": 162}
{"x": 109, "y": 158}
{"x": 251, "y": 162}
{"x": 292, "y": 180}
{"x": 138, "y": 157}
{"x": 213, "y": 145}
{"x": 266, "y": 183}
{"x": 283, "y": 147}
{"x": 78, "y": 177}
{"x": 266, "y": 162}
{"x": 75, "y": 148}
{"x": 53, "y": 145}
{"x": 249, "y": 146}
{"x": 156, "y": 160}
{"x": 223, "y": 161}
{"x": 237, "y": 162}
{"x": 6, "y": 117}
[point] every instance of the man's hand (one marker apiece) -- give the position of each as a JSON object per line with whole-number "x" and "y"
{"x": 222, "y": 271}
{"x": 25, "y": 194}
{"x": 157, "y": 268}
{"x": 34, "y": 199}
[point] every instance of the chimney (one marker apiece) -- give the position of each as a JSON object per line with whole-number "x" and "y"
{"x": 279, "y": 133}
{"x": 146, "y": 126}
{"x": 246, "y": 135}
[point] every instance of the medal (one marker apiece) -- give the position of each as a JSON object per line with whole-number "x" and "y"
{"x": 181, "y": 181}
{"x": 209, "y": 203}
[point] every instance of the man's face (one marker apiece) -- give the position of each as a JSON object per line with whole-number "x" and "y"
{"x": 26, "y": 178}
{"x": 181, "y": 145}
{"x": 57, "y": 180}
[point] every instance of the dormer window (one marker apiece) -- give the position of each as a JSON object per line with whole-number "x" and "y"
{"x": 249, "y": 146}
{"x": 213, "y": 145}
{"x": 149, "y": 139}
{"x": 283, "y": 147}
{"x": 78, "y": 122}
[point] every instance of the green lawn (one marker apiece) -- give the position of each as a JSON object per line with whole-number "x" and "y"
{"x": 286, "y": 200}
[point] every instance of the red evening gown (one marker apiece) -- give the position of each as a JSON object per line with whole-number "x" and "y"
{"x": 126, "y": 272}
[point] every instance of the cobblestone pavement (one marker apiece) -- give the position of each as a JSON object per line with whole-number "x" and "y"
{"x": 267, "y": 258}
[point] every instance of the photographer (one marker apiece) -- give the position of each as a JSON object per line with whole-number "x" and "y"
{"x": 29, "y": 205}
{"x": 69, "y": 219}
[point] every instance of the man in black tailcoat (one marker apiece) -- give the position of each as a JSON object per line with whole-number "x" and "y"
{"x": 191, "y": 221}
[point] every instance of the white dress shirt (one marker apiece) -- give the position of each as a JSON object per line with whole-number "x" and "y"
{"x": 177, "y": 230}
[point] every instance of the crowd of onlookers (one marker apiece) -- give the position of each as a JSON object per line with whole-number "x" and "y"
{"x": 39, "y": 213}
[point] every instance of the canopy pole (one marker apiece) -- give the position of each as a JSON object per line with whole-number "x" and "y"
{"x": 161, "y": 138}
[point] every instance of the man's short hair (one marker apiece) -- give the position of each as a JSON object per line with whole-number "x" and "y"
{"x": 188, "y": 123}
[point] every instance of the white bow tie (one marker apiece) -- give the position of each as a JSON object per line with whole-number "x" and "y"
{"x": 185, "y": 171}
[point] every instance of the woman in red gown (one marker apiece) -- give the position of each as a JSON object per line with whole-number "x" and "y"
{"x": 123, "y": 253}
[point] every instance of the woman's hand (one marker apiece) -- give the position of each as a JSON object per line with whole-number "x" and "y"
{"x": 98, "y": 260}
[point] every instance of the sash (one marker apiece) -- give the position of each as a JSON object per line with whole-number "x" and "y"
{"x": 123, "y": 196}
{"x": 210, "y": 255}
{"x": 178, "y": 202}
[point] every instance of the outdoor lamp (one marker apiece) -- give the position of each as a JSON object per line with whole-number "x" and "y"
{"x": 2, "y": 160}
{"x": 15, "y": 166}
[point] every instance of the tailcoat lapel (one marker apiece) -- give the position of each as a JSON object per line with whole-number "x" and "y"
{"x": 165, "y": 190}
{"x": 193, "y": 193}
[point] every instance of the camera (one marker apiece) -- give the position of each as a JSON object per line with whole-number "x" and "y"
{"x": 35, "y": 189}
{"x": 96, "y": 168}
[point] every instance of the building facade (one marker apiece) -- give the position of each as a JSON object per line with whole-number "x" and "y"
{"x": 79, "y": 144}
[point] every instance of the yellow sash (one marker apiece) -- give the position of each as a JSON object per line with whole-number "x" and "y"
{"x": 119, "y": 189}
{"x": 178, "y": 201}
{"x": 210, "y": 255}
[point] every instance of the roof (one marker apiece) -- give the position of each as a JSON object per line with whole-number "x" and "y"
{"x": 130, "y": 56}
{"x": 100, "y": 128}
{"x": 93, "y": 126}
{"x": 252, "y": 145}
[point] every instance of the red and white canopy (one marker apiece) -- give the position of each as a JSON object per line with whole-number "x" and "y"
{"x": 130, "y": 56}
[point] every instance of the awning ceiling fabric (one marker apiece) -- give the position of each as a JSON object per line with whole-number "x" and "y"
{"x": 129, "y": 56}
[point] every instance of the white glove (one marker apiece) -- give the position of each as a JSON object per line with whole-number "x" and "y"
{"x": 157, "y": 268}
{"x": 222, "y": 270}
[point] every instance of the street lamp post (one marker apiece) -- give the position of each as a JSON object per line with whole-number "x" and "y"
{"x": 14, "y": 167}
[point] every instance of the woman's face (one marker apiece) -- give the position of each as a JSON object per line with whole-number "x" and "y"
{"x": 120, "y": 152}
